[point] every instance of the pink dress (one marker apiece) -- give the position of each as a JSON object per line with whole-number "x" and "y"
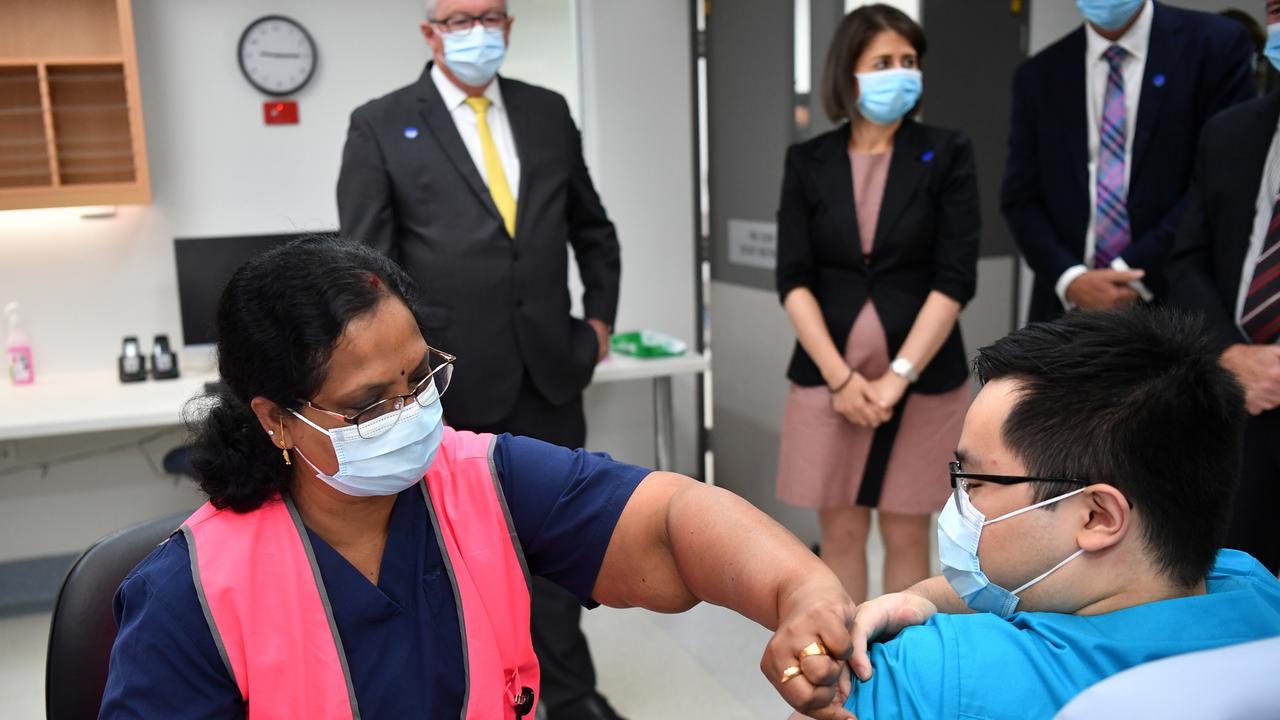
{"x": 827, "y": 461}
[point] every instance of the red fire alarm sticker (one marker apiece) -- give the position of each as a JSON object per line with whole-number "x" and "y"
{"x": 280, "y": 112}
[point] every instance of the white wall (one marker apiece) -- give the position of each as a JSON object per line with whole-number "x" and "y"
{"x": 216, "y": 169}
{"x": 638, "y": 111}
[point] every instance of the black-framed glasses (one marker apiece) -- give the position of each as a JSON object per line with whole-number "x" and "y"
{"x": 383, "y": 415}
{"x": 960, "y": 479}
{"x": 462, "y": 22}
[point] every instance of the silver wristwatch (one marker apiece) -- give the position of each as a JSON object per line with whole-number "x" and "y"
{"x": 904, "y": 368}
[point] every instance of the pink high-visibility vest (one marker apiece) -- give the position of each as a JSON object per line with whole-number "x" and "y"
{"x": 269, "y": 613}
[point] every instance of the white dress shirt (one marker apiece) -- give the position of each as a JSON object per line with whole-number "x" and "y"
{"x": 1267, "y": 191}
{"x": 1135, "y": 42}
{"x": 464, "y": 118}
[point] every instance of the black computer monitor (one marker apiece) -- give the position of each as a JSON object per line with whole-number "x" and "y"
{"x": 204, "y": 267}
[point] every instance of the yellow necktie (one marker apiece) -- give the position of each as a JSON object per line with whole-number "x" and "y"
{"x": 498, "y": 187}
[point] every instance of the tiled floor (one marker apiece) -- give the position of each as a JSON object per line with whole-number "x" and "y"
{"x": 701, "y": 664}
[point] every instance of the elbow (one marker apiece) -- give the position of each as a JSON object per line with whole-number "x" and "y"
{"x": 673, "y": 605}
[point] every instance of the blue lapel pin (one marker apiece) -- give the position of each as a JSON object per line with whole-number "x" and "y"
{"x": 411, "y": 132}
{"x": 1158, "y": 80}
{"x": 927, "y": 156}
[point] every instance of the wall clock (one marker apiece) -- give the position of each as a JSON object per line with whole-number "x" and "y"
{"x": 277, "y": 55}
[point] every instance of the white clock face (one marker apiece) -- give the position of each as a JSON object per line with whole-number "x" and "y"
{"x": 277, "y": 55}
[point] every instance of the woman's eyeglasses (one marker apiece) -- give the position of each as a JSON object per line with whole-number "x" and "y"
{"x": 383, "y": 415}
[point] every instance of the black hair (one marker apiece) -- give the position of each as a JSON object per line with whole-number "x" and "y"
{"x": 854, "y": 34}
{"x": 278, "y": 321}
{"x": 1135, "y": 399}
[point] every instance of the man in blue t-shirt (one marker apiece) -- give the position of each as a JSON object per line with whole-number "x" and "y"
{"x": 1091, "y": 492}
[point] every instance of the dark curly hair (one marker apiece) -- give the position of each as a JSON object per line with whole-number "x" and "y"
{"x": 278, "y": 321}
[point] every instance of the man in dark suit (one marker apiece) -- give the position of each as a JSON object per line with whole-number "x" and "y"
{"x": 477, "y": 186}
{"x": 1226, "y": 265}
{"x": 1103, "y": 134}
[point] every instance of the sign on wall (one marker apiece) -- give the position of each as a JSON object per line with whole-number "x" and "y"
{"x": 753, "y": 244}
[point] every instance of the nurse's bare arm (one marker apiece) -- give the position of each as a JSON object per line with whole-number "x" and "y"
{"x": 679, "y": 541}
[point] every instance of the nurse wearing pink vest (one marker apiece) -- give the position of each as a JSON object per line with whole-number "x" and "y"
{"x": 358, "y": 558}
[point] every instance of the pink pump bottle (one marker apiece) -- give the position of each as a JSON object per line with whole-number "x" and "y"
{"x": 22, "y": 371}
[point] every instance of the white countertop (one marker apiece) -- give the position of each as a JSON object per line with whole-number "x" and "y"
{"x": 68, "y": 403}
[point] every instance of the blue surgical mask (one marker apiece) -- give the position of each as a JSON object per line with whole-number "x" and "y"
{"x": 884, "y": 96}
{"x": 1109, "y": 14}
{"x": 390, "y": 462}
{"x": 474, "y": 56}
{"x": 1272, "y": 50}
{"x": 959, "y": 528}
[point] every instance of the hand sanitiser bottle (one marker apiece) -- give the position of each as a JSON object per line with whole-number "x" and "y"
{"x": 18, "y": 347}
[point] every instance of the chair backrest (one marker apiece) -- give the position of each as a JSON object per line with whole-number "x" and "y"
{"x": 1235, "y": 682}
{"x": 84, "y": 627}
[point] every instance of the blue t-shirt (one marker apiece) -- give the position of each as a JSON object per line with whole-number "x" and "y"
{"x": 401, "y": 637}
{"x": 984, "y": 667}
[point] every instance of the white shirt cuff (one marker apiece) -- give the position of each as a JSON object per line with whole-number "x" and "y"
{"x": 1068, "y": 276}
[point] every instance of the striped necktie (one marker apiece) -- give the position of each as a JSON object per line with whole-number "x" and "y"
{"x": 1111, "y": 219}
{"x": 1261, "y": 319}
{"x": 499, "y": 188}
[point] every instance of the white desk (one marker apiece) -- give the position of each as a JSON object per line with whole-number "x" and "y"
{"x": 69, "y": 403}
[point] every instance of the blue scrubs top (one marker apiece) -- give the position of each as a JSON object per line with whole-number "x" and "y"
{"x": 401, "y": 637}
{"x": 984, "y": 667}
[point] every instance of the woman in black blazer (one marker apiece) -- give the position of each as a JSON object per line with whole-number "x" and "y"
{"x": 878, "y": 234}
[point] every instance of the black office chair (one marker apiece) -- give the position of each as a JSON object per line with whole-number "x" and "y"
{"x": 84, "y": 627}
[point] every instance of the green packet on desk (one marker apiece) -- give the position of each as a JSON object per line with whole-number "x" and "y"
{"x": 647, "y": 344}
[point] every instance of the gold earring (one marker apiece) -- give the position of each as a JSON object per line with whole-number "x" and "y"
{"x": 284, "y": 452}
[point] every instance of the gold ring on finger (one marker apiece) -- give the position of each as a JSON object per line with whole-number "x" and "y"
{"x": 790, "y": 672}
{"x": 813, "y": 648}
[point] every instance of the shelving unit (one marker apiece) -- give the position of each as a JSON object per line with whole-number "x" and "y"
{"x": 71, "y": 128}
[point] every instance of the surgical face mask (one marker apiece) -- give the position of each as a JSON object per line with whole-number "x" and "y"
{"x": 959, "y": 529}
{"x": 390, "y": 462}
{"x": 884, "y": 96}
{"x": 1272, "y": 50}
{"x": 1109, "y": 14}
{"x": 474, "y": 56}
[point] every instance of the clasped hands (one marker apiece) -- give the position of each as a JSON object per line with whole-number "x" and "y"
{"x": 869, "y": 403}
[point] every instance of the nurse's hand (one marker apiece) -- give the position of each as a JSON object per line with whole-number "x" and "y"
{"x": 817, "y": 611}
{"x": 883, "y": 618}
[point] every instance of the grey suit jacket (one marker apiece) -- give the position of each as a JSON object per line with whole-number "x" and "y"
{"x": 409, "y": 189}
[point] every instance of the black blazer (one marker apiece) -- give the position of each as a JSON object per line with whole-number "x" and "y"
{"x": 409, "y": 189}
{"x": 926, "y": 239}
{"x": 1208, "y": 257}
{"x": 1197, "y": 64}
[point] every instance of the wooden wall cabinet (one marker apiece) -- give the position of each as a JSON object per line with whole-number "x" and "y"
{"x": 70, "y": 108}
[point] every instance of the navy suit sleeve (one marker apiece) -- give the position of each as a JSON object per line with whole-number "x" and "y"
{"x": 960, "y": 227}
{"x": 164, "y": 663}
{"x": 1191, "y": 263}
{"x": 564, "y": 505}
{"x": 1226, "y": 79}
{"x": 1022, "y": 194}
{"x": 592, "y": 235}
{"x": 366, "y": 212}
{"x": 795, "y": 266}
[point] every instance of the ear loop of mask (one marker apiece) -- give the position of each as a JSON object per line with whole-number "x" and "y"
{"x": 298, "y": 449}
{"x": 1029, "y": 508}
{"x": 1049, "y": 572}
